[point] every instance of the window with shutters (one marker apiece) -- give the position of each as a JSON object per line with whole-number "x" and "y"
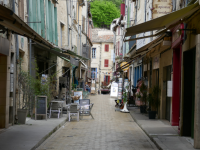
{"x": 21, "y": 9}
{"x": 106, "y": 61}
{"x": 93, "y": 73}
{"x": 93, "y": 52}
{"x": 106, "y": 48}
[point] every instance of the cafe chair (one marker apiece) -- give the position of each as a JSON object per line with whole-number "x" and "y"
{"x": 55, "y": 108}
{"x": 73, "y": 110}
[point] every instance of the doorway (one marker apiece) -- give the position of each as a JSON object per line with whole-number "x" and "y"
{"x": 189, "y": 92}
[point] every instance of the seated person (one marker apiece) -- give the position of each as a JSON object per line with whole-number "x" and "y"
{"x": 87, "y": 87}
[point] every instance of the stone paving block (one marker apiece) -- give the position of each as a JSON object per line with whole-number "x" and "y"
{"x": 110, "y": 130}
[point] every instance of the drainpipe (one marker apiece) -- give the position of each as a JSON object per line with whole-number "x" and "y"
{"x": 100, "y": 70}
{"x": 71, "y": 26}
{"x": 86, "y": 20}
{"x": 151, "y": 18}
{"x": 78, "y": 27}
{"x": 67, "y": 23}
{"x": 15, "y": 71}
{"x": 80, "y": 42}
{"x": 145, "y": 11}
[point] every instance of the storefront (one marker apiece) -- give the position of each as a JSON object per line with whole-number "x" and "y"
{"x": 5, "y": 82}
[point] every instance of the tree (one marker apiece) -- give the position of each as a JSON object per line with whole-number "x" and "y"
{"x": 103, "y": 12}
{"x": 116, "y": 2}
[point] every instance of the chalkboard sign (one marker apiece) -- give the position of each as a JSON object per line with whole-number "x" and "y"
{"x": 40, "y": 106}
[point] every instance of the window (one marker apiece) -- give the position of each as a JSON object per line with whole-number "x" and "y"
{"x": 107, "y": 79}
{"x": 93, "y": 73}
{"x": 93, "y": 52}
{"x": 106, "y": 48}
{"x": 106, "y": 62}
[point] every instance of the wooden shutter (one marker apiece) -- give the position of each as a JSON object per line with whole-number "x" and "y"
{"x": 108, "y": 79}
{"x": 106, "y": 63}
{"x": 56, "y": 28}
{"x": 42, "y": 18}
{"x": 53, "y": 24}
{"x": 106, "y": 48}
{"x": 39, "y": 17}
{"x": 47, "y": 19}
{"x": 50, "y": 21}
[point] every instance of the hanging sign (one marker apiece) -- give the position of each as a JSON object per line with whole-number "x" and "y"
{"x": 161, "y": 7}
{"x": 127, "y": 66}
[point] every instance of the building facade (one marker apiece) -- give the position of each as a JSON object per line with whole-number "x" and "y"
{"x": 46, "y": 38}
{"x": 102, "y": 56}
{"x": 158, "y": 54}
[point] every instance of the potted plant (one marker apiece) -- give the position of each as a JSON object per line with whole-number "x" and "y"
{"x": 143, "y": 90}
{"x": 138, "y": 95}
{"x": 125, "y": 99}
{"x": 28, "y": 88}
{"x": 154, "y": 101}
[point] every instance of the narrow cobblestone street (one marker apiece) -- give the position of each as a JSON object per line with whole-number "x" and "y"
{"x": 109, "y": 130}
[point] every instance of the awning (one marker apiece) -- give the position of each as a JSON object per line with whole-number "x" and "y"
{"x": 164, "y": 22}
{"x": 142, "y": 51}
{"x": 14, "y": 23}
{"x": 64, "y": 58}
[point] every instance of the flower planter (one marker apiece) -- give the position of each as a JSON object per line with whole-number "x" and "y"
{"x": 152, "y": 114}
{"x": 21, "y": 114}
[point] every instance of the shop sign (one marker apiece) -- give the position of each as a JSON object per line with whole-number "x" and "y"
{"x": 124, "y": 63}
{"x": 156, "y": 62}
{"x": 161, "y": 8}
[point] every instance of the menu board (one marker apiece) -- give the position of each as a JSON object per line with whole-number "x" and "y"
{"x": 78, "y": 93}
{"x": 114, "y": 90}
{"x": 40, "y": 106}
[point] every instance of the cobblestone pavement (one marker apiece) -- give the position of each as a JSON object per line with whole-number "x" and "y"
{"x": 109, "y": 130}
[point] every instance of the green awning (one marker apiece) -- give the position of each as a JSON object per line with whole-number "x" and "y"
{"x": 64, "y": 58}
{"x": 68, "y": 53}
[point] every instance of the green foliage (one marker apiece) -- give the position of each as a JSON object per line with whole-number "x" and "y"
{"x": 29, "y": 87}
{"x": 103, "y": 11}
{"x": 143, "y": 90}
{"x": 125, "y": 97}
{"x": 116, "y": 2}
{"x": 138, "y": 95}
{"x": 154, "y": 98}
